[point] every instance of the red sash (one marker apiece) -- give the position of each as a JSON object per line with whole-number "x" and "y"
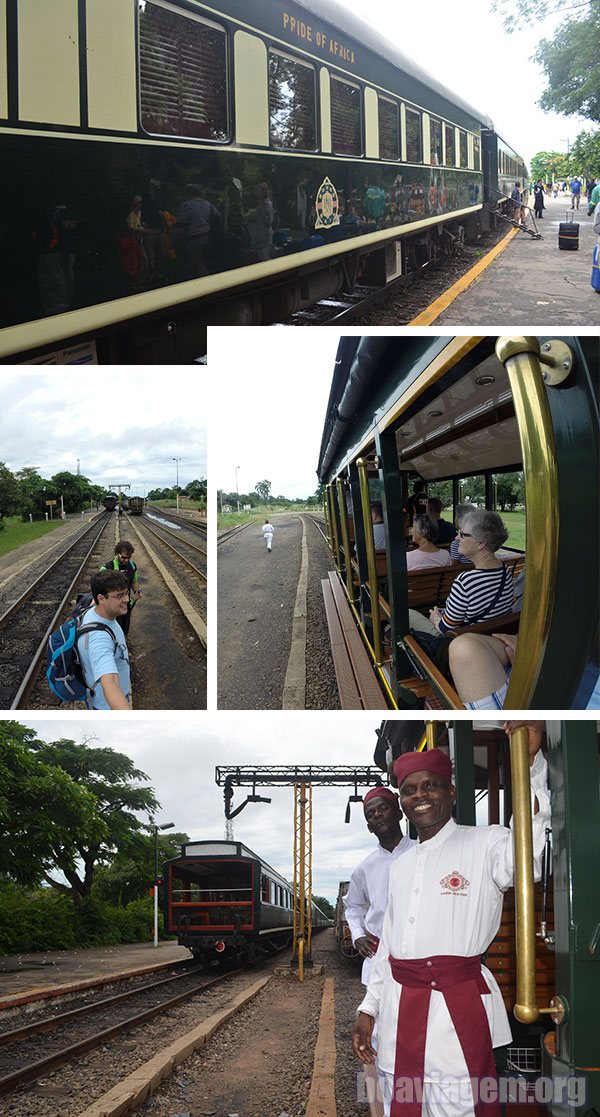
{"x": 461, "y": 982}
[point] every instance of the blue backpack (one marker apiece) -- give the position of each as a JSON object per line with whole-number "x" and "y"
{"x": 64, "y": 672}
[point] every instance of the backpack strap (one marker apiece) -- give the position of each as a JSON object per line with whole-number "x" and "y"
{"x": 84, "y": 630}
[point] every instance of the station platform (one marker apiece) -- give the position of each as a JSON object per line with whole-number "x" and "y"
{"x": 533, "y": 282}
{"x": 29, "y": 977}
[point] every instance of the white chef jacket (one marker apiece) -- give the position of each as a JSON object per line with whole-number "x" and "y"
{"x": 445, "y": 897}
{"x": 366, "y": 899}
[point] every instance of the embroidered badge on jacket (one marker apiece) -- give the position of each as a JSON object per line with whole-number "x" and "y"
{"x": 454, "y": 884}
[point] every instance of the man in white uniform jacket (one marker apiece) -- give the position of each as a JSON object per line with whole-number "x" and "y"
{"x": 439, "y": 1011}
{"x": 366, "y": 899}
{"x": 267, "y": 530}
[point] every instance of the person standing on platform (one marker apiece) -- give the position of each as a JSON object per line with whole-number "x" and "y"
{"x": 123, "y": 561}
{"x": 575, "y": 193}
{"x": 440, "y": 1012}
{"x": 538, "y": 198}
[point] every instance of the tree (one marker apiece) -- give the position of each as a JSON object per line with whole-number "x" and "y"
{"x": 9, "y": 492}
{"x": 129, "y": 875}
{"x": 196, "y": 490}
{"x": 324, "y": 904}
{"x": 42, "y": 810}
{"x": 550, "y": 165}
{"x": 569, "y": 58}
{"x": 510, "y": 490}
{"x": 113, "y": 781}
{"x": 74, "y": 490}
{"x": 263, "y": 488}
{"x": 585, "y": 153}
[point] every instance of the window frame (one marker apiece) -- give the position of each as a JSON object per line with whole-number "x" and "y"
{"x": 419, "y": 114}
{"x": 390, "y": 101}
{"x": 290, "y": 57}
{"x": 204, "y": 22}
{"x": 334, "y": 77}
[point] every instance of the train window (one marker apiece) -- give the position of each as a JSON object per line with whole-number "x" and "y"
{"x": 346, "y": 125}
{"x": 264, "y": 889}
{"x": 476, "y": 153}
{"x": 450, "y": 159}
{"x": 389, "y": 129}
{"x": 435, "y": 142}
{"x": 183, "y": 74}
{"x": 414, "y": 136}
{"x": 292, "y": 103}
{"x": 462, "y": 149}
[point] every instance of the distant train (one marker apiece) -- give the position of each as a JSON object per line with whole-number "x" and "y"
{"x": 110, "y": 503}
{"x": 223, "y": 900}
{"x": 312, "y": 149}
{"x": 136, "y": 505}
{"x": 343, "y": 936}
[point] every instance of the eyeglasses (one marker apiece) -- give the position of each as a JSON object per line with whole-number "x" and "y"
{"x": 119, "y": 596}
{"x": 465, "y": 534}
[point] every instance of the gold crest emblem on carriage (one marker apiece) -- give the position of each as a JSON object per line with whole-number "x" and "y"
{"x": 327, "y": 206}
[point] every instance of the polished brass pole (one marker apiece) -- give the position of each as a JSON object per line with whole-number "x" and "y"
{"x": 345, "y": 535}
{"x": 365, "y": 500}
{"x": 525, "y": 1010}
{"x": 431, "y": 734}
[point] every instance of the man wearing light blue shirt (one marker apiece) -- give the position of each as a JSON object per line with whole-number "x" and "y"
{"x": 103, "y": 652}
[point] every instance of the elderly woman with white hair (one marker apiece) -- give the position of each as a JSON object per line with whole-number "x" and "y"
{"x": 424, "y": 536}
{"x": 480, "y": 592}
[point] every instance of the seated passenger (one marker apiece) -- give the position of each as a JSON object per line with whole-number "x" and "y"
{"x": 446, "y": 530}
{"x": 479, "y": 594}
{"x": 378, "y": 525}
{"x": 455, "y": 554}
{"x": 424, "y": 535}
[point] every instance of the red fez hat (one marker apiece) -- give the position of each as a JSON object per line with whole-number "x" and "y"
{"x": 381, "y": 793}
{"x": 431, "y": 761}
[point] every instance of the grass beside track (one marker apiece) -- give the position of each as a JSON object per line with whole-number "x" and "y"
{"x": 515, "y": 525}
{"x": 15, "y": 533}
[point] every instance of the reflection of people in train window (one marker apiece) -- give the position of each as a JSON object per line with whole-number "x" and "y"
{"x": 259, "y": 224}
{"x": 375, "y": 203}
{"x": 56, "y": 276}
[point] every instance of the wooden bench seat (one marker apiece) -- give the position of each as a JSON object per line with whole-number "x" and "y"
{"x": 357, "y": 685}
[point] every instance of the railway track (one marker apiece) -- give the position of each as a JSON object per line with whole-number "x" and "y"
{"x": 191, "y": 554}
{"x": 182, "y": 565}
{"x": 198, "y": 526}
{"x": 167, "y": 532}
{"x": 54, "y": 1040}
{"x": 230, "y": 532}
{"x": 28, "y": 621}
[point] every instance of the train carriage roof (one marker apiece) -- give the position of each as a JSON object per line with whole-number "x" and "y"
{"x": 368, "y": 36}
{"x": 464, "y": 419}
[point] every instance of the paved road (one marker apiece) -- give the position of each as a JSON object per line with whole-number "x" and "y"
{"x": 257, "y": 593}
{"x": 261, "y": 616}
{"x": 533, "y": 282}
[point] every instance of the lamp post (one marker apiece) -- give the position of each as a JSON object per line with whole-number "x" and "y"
{"x": 177, "y": 461}
{"x": 165, "y": 826}
{"x": 237, "y": 487}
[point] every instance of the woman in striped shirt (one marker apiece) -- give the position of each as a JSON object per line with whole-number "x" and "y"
{"x": 481, "y": 592}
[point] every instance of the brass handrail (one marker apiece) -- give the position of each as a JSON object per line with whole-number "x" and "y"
{"x": 365, "y": 500}
{"x": 345, "y": 535}
{"x": 521, "y": 359}
{"x": 335, "y": 546}
{"x": 526, "y": 1009}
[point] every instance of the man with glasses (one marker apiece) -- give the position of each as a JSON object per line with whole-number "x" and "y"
{"x": 103, "y": 652}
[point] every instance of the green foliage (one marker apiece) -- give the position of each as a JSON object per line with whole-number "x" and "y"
{"x": 129, "y": 875}
{"x": 263, "y": 488}
{"x": 326, "y": 907}
{"x": 17, "y": 533}
{"x": 510, "y": 490}
{"x": 43, "y": 809}
{"x": 570, "y": 58}
{"x": 42, "y": 919}
{"x": 585, "y": 153}
{"x": 9, "y": 492}
{"x": 113, "y": 780}
{"x": 549, "y": 165}
{"x": 570, "y": 63}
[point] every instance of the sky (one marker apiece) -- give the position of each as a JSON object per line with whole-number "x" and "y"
{"x": 179, "y": 754}
{"x": 278, "y": 383}
{"x": 466, "y": 48}
{"x": 124, "y": 425}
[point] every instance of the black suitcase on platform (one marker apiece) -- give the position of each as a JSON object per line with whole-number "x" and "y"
{"x": 568, "y": 235}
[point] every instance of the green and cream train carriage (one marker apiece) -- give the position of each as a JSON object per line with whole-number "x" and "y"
{"x": 452, "y": 411}
{"x": 321, "y": 152}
